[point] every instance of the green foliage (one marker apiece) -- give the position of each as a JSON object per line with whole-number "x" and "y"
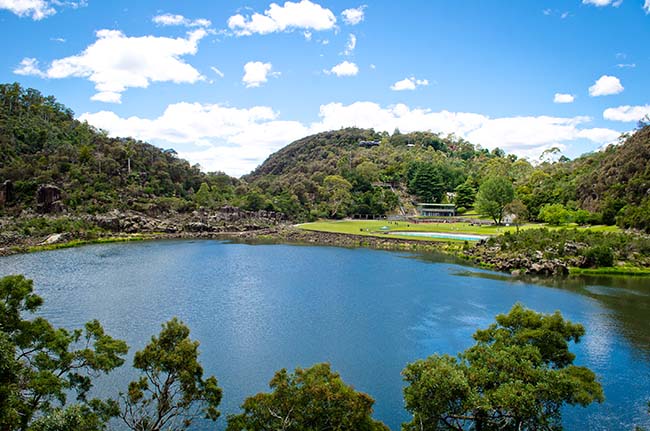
{"x": 554, "y": 214}
{"x": 572, "y": 244}
{"x": 599, "y": 255}
{"x": 517, "y": 376}
{"x": 309, "y": 399}
{"x": 41, "y": 142}
{"x": 77, "y": 417}
{"x": 42, "y": 364}
{"x": 465, "y": 195}
{"x": 493, "y": 196}
{"x": 172, "y": 392}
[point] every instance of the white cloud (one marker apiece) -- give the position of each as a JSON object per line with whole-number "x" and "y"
{"x": 354, "y": 16}
{"x": 563, "y": 98}
{"x": 626, "y": 65}
{"x": 307, "y": 35}
{"x": 217, "y": 71}
{"x": 345, "y": 68}
{"x": 605, "y": 86}
{"x": 602, "y": 3}
{"x": 292, "y": 15}
{"x": 646, "y": 6}
{"x": 58, "y": 39}
{"x": 236, "y": 140}
{"x": 218, "y": 137}
{"x": 627, "y": 113}
{"x": 520, "y": 135}
{"x": 116, "y": 62}
{"x": 107, "y": 97}
{"x": 409, "y": 84}
{"x": 38, "y": 9}
{"x": 29, "y": 66}
{"x": 350, "y": 45}
{"x": 256, "y": 73}
{"x": 169, "y": 19}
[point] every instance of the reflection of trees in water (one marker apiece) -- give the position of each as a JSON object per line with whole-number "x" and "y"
{"x": 628, "y": 298}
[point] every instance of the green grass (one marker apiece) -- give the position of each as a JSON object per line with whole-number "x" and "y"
{"x": 611, "y": 270}
{"x": 373, "y": 228}
{"x": 80, "y": 242}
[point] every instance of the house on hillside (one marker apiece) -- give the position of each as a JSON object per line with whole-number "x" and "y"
{"x": 436, "y": 210}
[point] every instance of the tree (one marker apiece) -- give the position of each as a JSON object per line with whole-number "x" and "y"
{"x": 172, "y": 392}
{"x": 517, "y": 376}
{"x": 307, "y": 400}
{"x": 554, "y": 214}
{"x": 465, "y": 195}
{"x": 41, "y": 365}
{"x": 493, "y": 195}
{"x": 337, "y": 190}
{"x": 518, "y": 211}
{"x": 427, "y": 183}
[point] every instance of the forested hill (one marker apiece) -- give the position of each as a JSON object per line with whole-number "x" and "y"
{"x": 340, "y": 173}
{"x": 42, "y": 144}
{"x": 334, "y": 174}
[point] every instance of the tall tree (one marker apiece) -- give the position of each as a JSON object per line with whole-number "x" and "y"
{"x": 41, "y": 365}
{"x": 310, "y": 399}
{"x": 493, "y": 195}
{"x": 172, "y": 392}
{"x": 517, "y": 376}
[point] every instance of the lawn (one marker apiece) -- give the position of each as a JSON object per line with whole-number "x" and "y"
{"x": 374, "y": 228}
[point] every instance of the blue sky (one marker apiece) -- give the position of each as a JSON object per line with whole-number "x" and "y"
{"x": 226, "y": 83}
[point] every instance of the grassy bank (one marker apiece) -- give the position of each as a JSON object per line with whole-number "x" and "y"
{"x": 80, "y": 242}
{"x": 374, "y": 228}
{"x": 612, "y": 270}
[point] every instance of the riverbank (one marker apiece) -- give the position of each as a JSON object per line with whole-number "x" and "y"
{"x": 551, "y": 253}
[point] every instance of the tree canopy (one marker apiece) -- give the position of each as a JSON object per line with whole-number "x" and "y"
{"x": 172, "y": 392}
{"x": 493, "y": 196}
{"x": 311, "y": 399}
{"x": 517, "y": 376}
{"x": 41, "y": 364}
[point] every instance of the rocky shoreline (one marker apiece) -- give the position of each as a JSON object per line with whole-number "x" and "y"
{"x": 236, "y": 224}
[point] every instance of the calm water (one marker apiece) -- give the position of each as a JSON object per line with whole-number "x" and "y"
{"x": 259, "y": 308}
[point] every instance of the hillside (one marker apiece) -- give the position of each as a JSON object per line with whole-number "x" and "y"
{"x": 46, "y": 154}
{"x": 42, "y": 144}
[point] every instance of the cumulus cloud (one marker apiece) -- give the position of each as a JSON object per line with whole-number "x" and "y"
{"x": 627, "y": 113}
{"x": 345, "y": 68}
{"x": 29, "y": 66}
{"x": 602, "y": 3}
{"x": 303, "y": 15}
{"x": 605, "y": 86}
{"x": 563, "y": 98}
{"x": 38, "y": 9}
{"x": 236, "y": 140}
{"x": 350, "y": 45}
{"x": 169, "y": 19}
{"x": 256, "y": 73}
{"x": 354, "y": 16}
{"x": 409, "y": 84}
{"x": 116, "y": 62}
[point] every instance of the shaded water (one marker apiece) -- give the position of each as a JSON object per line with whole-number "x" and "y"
{"x": 259, "y": 308}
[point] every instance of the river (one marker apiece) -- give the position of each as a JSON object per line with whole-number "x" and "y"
{"x": 259, "y": 308}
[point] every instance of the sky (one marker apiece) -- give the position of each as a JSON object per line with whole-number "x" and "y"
{"x": 227, "y": 83}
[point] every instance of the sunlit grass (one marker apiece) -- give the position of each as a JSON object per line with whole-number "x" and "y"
{"x": 381, "y": 227}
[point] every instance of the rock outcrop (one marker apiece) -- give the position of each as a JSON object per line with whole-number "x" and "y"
{"x": 48, "y": 199}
